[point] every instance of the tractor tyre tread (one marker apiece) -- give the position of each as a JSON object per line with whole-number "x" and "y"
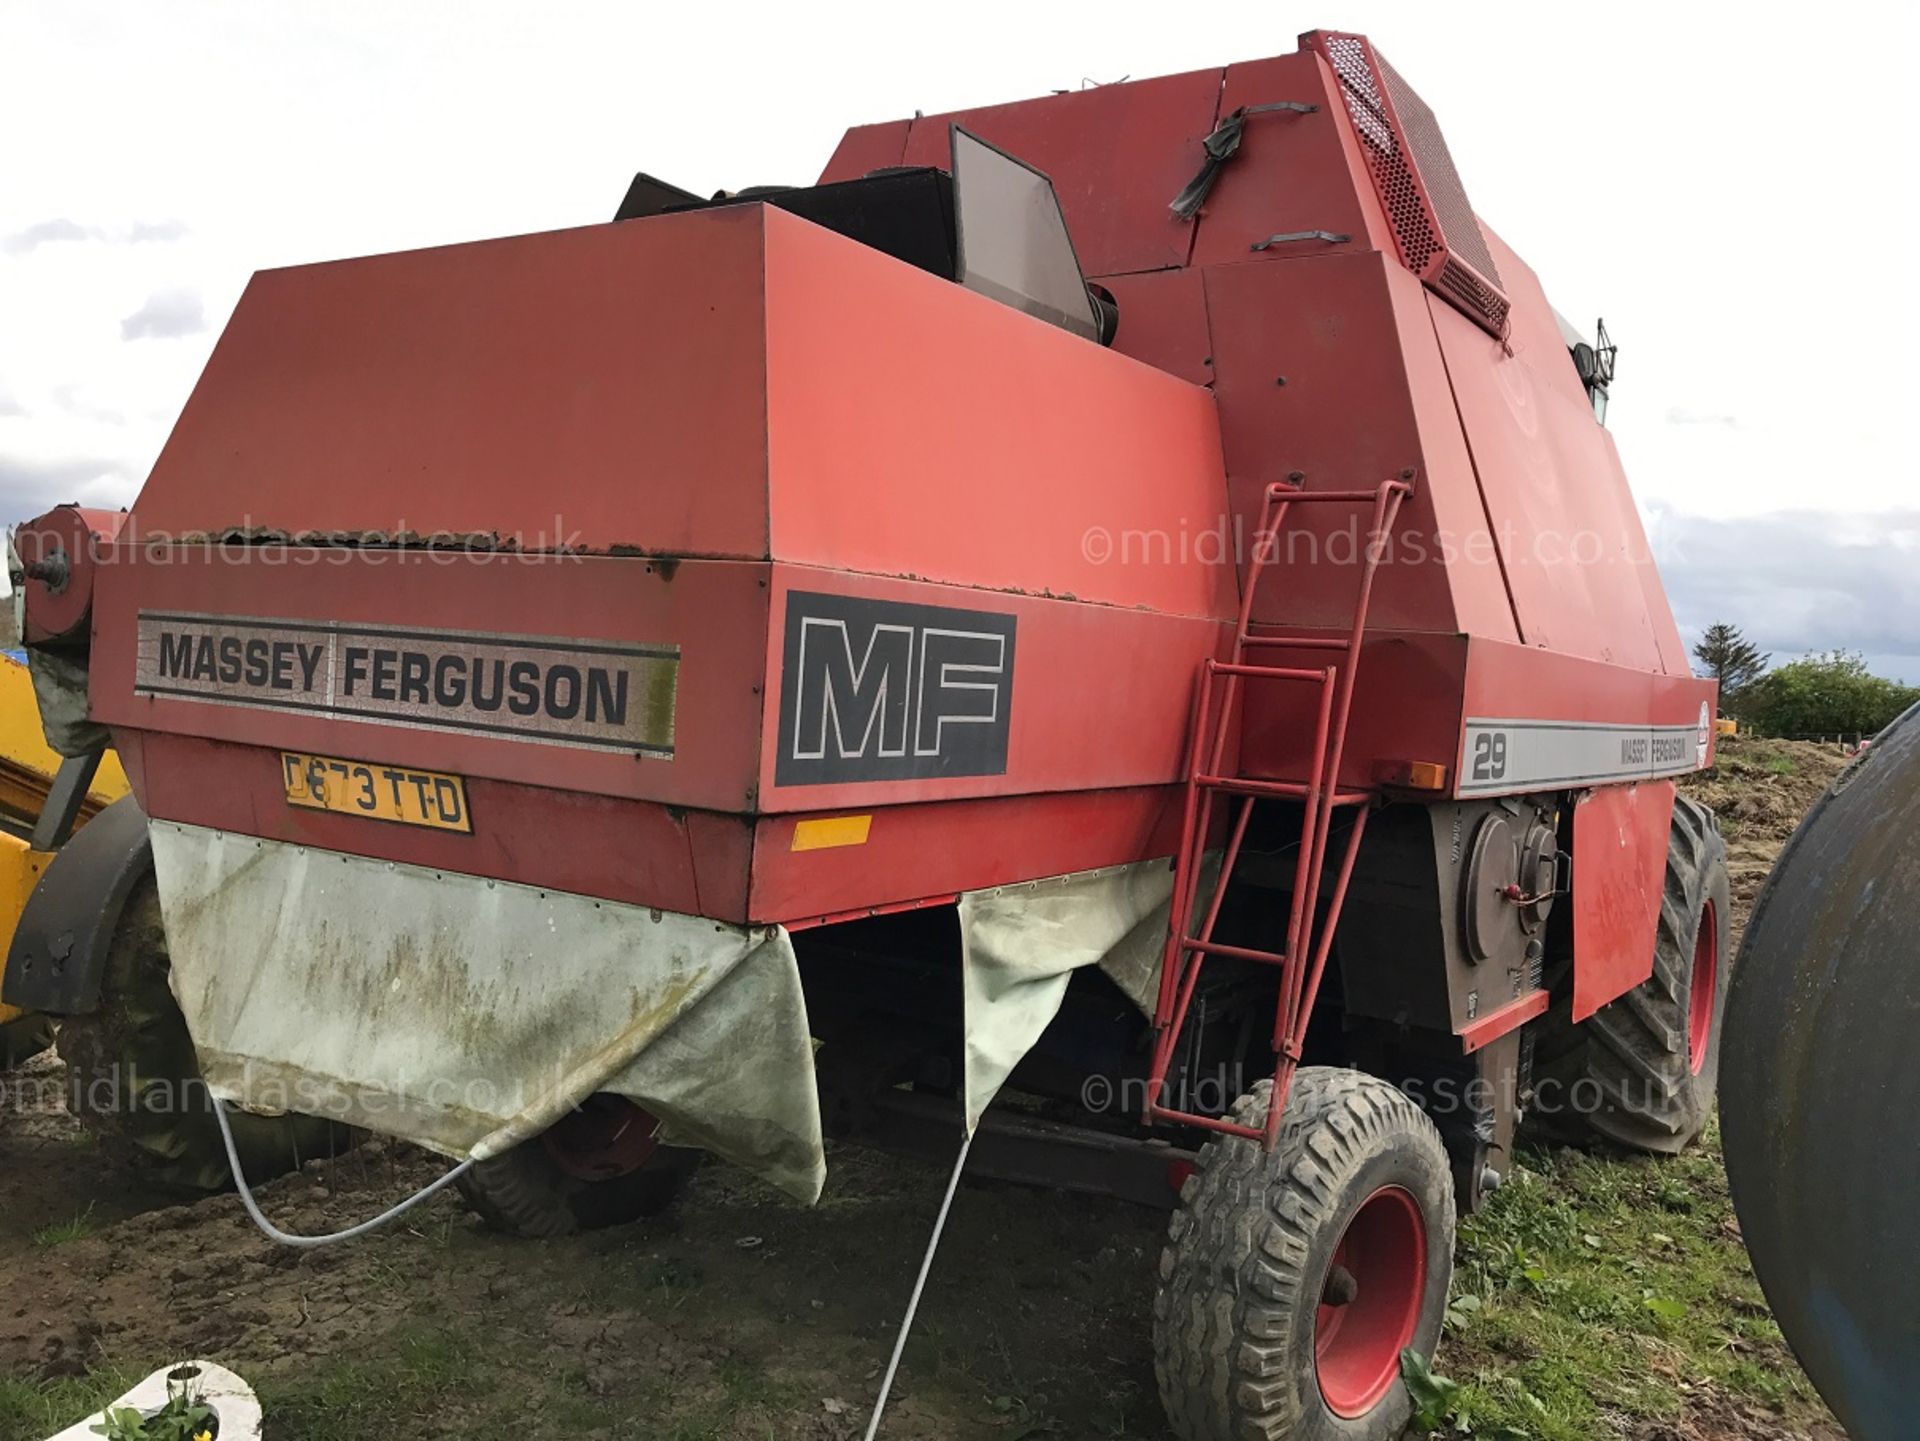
{"x": 523, "y": 1193}
{"x": 1234, "y": 1310}
{"x": 134, "y": 1081}
{"x": 1624, "y": 1075}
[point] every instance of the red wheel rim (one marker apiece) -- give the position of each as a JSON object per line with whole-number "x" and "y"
{"x": 603, "y": 1138}
{"x": 1357, "y": 1345}
{"x": 1706, "y": 975}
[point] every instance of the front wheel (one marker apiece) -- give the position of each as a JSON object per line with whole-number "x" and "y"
{"x": 1291, "y": 1283}
{"x": 600, "y": 1165}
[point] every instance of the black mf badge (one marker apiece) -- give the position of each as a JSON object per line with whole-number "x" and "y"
{"x": 875, "y": 690}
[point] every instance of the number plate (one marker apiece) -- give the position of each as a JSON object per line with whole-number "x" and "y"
{"x": 380, "y": 792}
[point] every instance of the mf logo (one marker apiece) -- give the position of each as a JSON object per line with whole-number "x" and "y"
{"x": 884, "y": 691}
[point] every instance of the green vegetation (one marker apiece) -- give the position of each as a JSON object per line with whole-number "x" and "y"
{"x": 59, "y": 1233}
{"x": 30, "y": 1410}
{"x": 184, "y": 1417}
{"x": 1597, "y": 1287}
{"x": 440, "y": 1378}
{"x": 1730, "y": 658}
{"x": 427, "y": 1374}
{"x": 1831, "y": 694}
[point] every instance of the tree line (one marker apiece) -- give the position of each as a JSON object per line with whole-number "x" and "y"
{"x": 1832, "y": 693}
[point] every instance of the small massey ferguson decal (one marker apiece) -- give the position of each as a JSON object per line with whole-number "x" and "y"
{"x": 537, "y": 688}
{"x": 877, "y": 690}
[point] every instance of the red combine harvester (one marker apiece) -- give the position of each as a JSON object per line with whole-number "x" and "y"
{"x": 1185, "y": 649}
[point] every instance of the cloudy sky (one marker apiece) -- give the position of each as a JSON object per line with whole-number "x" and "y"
{"x": 1726, "y": 184}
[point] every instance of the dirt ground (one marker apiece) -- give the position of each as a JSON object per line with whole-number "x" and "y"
{"x": 741, "y": 1315}
{"x": 1760, "y": 789}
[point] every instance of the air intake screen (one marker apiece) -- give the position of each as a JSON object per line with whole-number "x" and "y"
{"x": 1434, "y": 226}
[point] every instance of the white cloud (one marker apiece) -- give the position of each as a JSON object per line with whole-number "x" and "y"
{"x": 61, "y": 230}
{"x": 45, "y": 232}
{"x": 167, "y": 314}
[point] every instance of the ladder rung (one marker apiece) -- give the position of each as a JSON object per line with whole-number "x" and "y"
{"x": 1347, "y": 497}
{"x": 1157, "y": 1112}
{"x": 1266, "y": 672}
{"x": 1283, "y": 790}
{"x": 1234, "y": 953}
{"x": 1298, "y": 642}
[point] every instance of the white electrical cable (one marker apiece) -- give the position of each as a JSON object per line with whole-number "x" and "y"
{"x": 273, "y": 1232}
{"x": 919, "y": 1284}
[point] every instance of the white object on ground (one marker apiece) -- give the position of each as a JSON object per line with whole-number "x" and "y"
{"x": 231, "y": 1398}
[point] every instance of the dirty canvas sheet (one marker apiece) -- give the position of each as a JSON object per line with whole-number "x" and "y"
{"x": 467, "y": 1015}
{"x": 1020, "y": 945}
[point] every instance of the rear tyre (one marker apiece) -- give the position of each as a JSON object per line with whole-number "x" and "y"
{"x": 603, "y": 1165}
{"x": 1291, "y": 1282}
{"x": 1642, "y": 1071}
{"x": 132, "y": 1075}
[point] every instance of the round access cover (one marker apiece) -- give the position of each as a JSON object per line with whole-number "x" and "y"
{"x": 1492, "y": 865}
{"x": 1537, "y": 875}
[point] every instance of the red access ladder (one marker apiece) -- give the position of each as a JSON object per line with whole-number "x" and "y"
{"x": 1218, "y": 698}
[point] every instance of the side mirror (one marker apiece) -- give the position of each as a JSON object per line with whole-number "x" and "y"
{"x": 1586, "y": 363}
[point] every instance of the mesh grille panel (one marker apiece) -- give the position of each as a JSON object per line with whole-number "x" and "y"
{"x": 1392, "y": 176}
{"x": 1413, "y": 173}
{"x": 1435, "y": 162}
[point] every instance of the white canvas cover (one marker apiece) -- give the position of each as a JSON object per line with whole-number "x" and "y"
{"x": 467, "y": 1015}
{"x": 1020, "y": 945}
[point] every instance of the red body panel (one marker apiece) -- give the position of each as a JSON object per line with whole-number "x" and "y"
{"x": 1573, "y": 551}
{"x": 867, "y": 148}
{"x": 1166, "y": 325}
{"x": 891, "y": 429}
{"x": 1314, "y": 151}
{"x": 697, "y": 426}
{"x": 967, "y": 844}
{"x": 1346, "y": 327}
{"x": 642, "y": 852}
{"x": 1520, "y": 588}
{"x": 917, "y": 429}
{"x": 532, "y": 388}
{"x": 1616, "y": 894}
{"x": 717, "y": 709}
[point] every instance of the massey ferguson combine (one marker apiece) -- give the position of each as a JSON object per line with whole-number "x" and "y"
{"x": 1125, "y": 596}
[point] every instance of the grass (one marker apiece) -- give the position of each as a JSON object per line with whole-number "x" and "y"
{"x": 30, "y": 1410}
{"x": 59, "y": 1233}
{"x": 1594, "y": 1289}
{"x": 442, "y": 1375}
